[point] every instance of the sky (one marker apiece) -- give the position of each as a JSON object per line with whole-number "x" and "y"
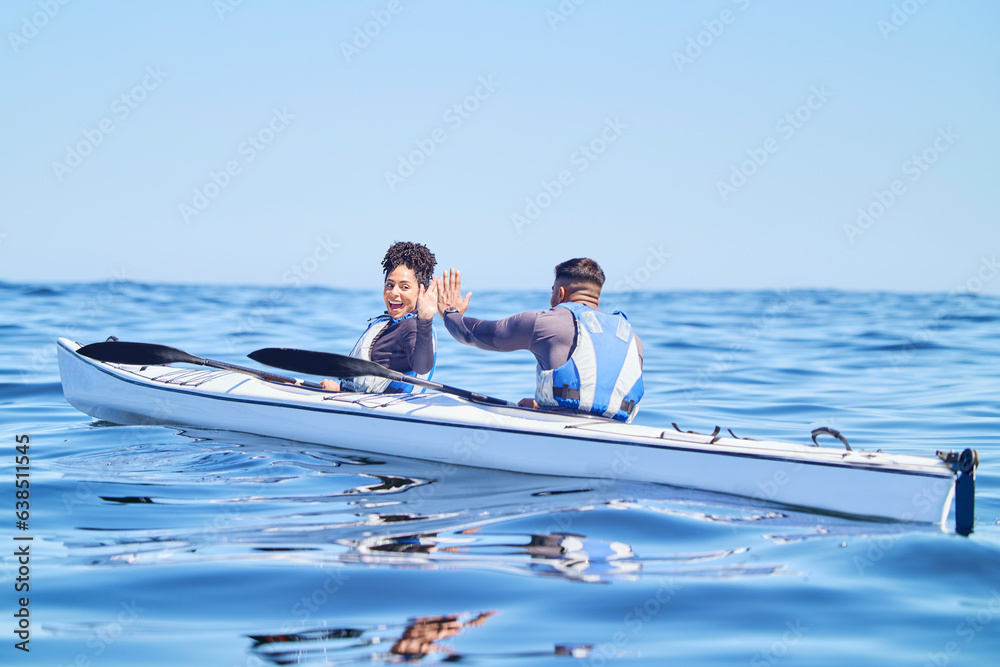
{"x": 728, "y": 144}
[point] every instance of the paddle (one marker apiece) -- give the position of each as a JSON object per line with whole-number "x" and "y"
{"x": 342, "y": 366}
{"x": 148, "y": 354}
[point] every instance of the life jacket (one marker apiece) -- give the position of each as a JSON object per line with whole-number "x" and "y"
{"x": 603, "y": 374}
{"x": 371, "y": 384}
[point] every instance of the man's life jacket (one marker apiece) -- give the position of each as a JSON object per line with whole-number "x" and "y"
{"x": 603, "y": 375}
{"x": 371, "y": 384}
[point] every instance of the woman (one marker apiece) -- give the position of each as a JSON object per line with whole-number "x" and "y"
{"x": 402, "y": 338}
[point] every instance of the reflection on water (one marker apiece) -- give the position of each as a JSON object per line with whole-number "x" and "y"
{"x": 557, "y": 554}
{"x": 260, "y": 499}
{"x": 269, "y": 499}
{"x": 420, "y": 637}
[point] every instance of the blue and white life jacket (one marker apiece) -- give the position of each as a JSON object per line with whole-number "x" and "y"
{"x": 371, "y": 384}
{"x": 603, "y": 375}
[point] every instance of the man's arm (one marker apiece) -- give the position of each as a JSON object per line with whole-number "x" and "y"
{"x": 510, "y": 333}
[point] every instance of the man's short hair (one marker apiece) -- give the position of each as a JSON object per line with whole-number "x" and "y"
{"x": 580, "y": 270}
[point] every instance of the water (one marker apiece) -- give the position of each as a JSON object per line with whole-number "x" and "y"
{"x": 156, "y": 546}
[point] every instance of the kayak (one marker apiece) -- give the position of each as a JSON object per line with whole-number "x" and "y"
{"x": 453, "y": 430}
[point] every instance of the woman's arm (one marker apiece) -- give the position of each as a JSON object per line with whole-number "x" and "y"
{"x": 420, "y": 347}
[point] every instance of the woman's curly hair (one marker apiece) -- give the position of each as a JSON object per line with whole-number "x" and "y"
{"x": 414, "y": 256}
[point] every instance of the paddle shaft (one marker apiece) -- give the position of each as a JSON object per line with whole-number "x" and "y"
{"x": 265, "y": 375}
{"x": 444, "y": 389}
{"x": 342, "y": 366}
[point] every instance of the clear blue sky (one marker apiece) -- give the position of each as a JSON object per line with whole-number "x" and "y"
{"x": 728, "y": 144}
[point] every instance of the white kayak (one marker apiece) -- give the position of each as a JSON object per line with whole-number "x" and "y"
{"x": 455, "y": 431}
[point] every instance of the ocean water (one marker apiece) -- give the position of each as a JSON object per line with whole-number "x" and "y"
{"x": 163, "y": 546}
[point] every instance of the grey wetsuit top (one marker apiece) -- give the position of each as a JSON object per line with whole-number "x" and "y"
{"x": 547, "y": 334}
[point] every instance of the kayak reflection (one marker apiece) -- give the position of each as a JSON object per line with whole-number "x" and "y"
{"x": 566, "y": 555}
{"x": 420, "y": 637}
{"x": 267, "y": 500}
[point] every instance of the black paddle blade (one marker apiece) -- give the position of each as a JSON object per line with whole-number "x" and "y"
{"x": 319, "y": 363}
{"x": 138, "y": 354}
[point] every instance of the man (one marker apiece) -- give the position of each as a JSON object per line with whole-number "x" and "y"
{"x": 588, "y": 360}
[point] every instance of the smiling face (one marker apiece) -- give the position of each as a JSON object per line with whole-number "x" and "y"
{"x": 400, "y": 291}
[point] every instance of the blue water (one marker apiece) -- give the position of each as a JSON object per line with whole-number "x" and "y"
{"x": 155, "y": 546}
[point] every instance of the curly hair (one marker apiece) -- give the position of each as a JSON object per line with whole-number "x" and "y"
{"x": 414, "y": 256}
{"x": 581, "y": 270}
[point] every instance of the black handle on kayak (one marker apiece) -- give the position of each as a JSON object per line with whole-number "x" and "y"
{"x": 826, "y": 430}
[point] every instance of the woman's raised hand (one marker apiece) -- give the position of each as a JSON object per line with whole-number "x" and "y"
{"x": 427, "y": 300}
